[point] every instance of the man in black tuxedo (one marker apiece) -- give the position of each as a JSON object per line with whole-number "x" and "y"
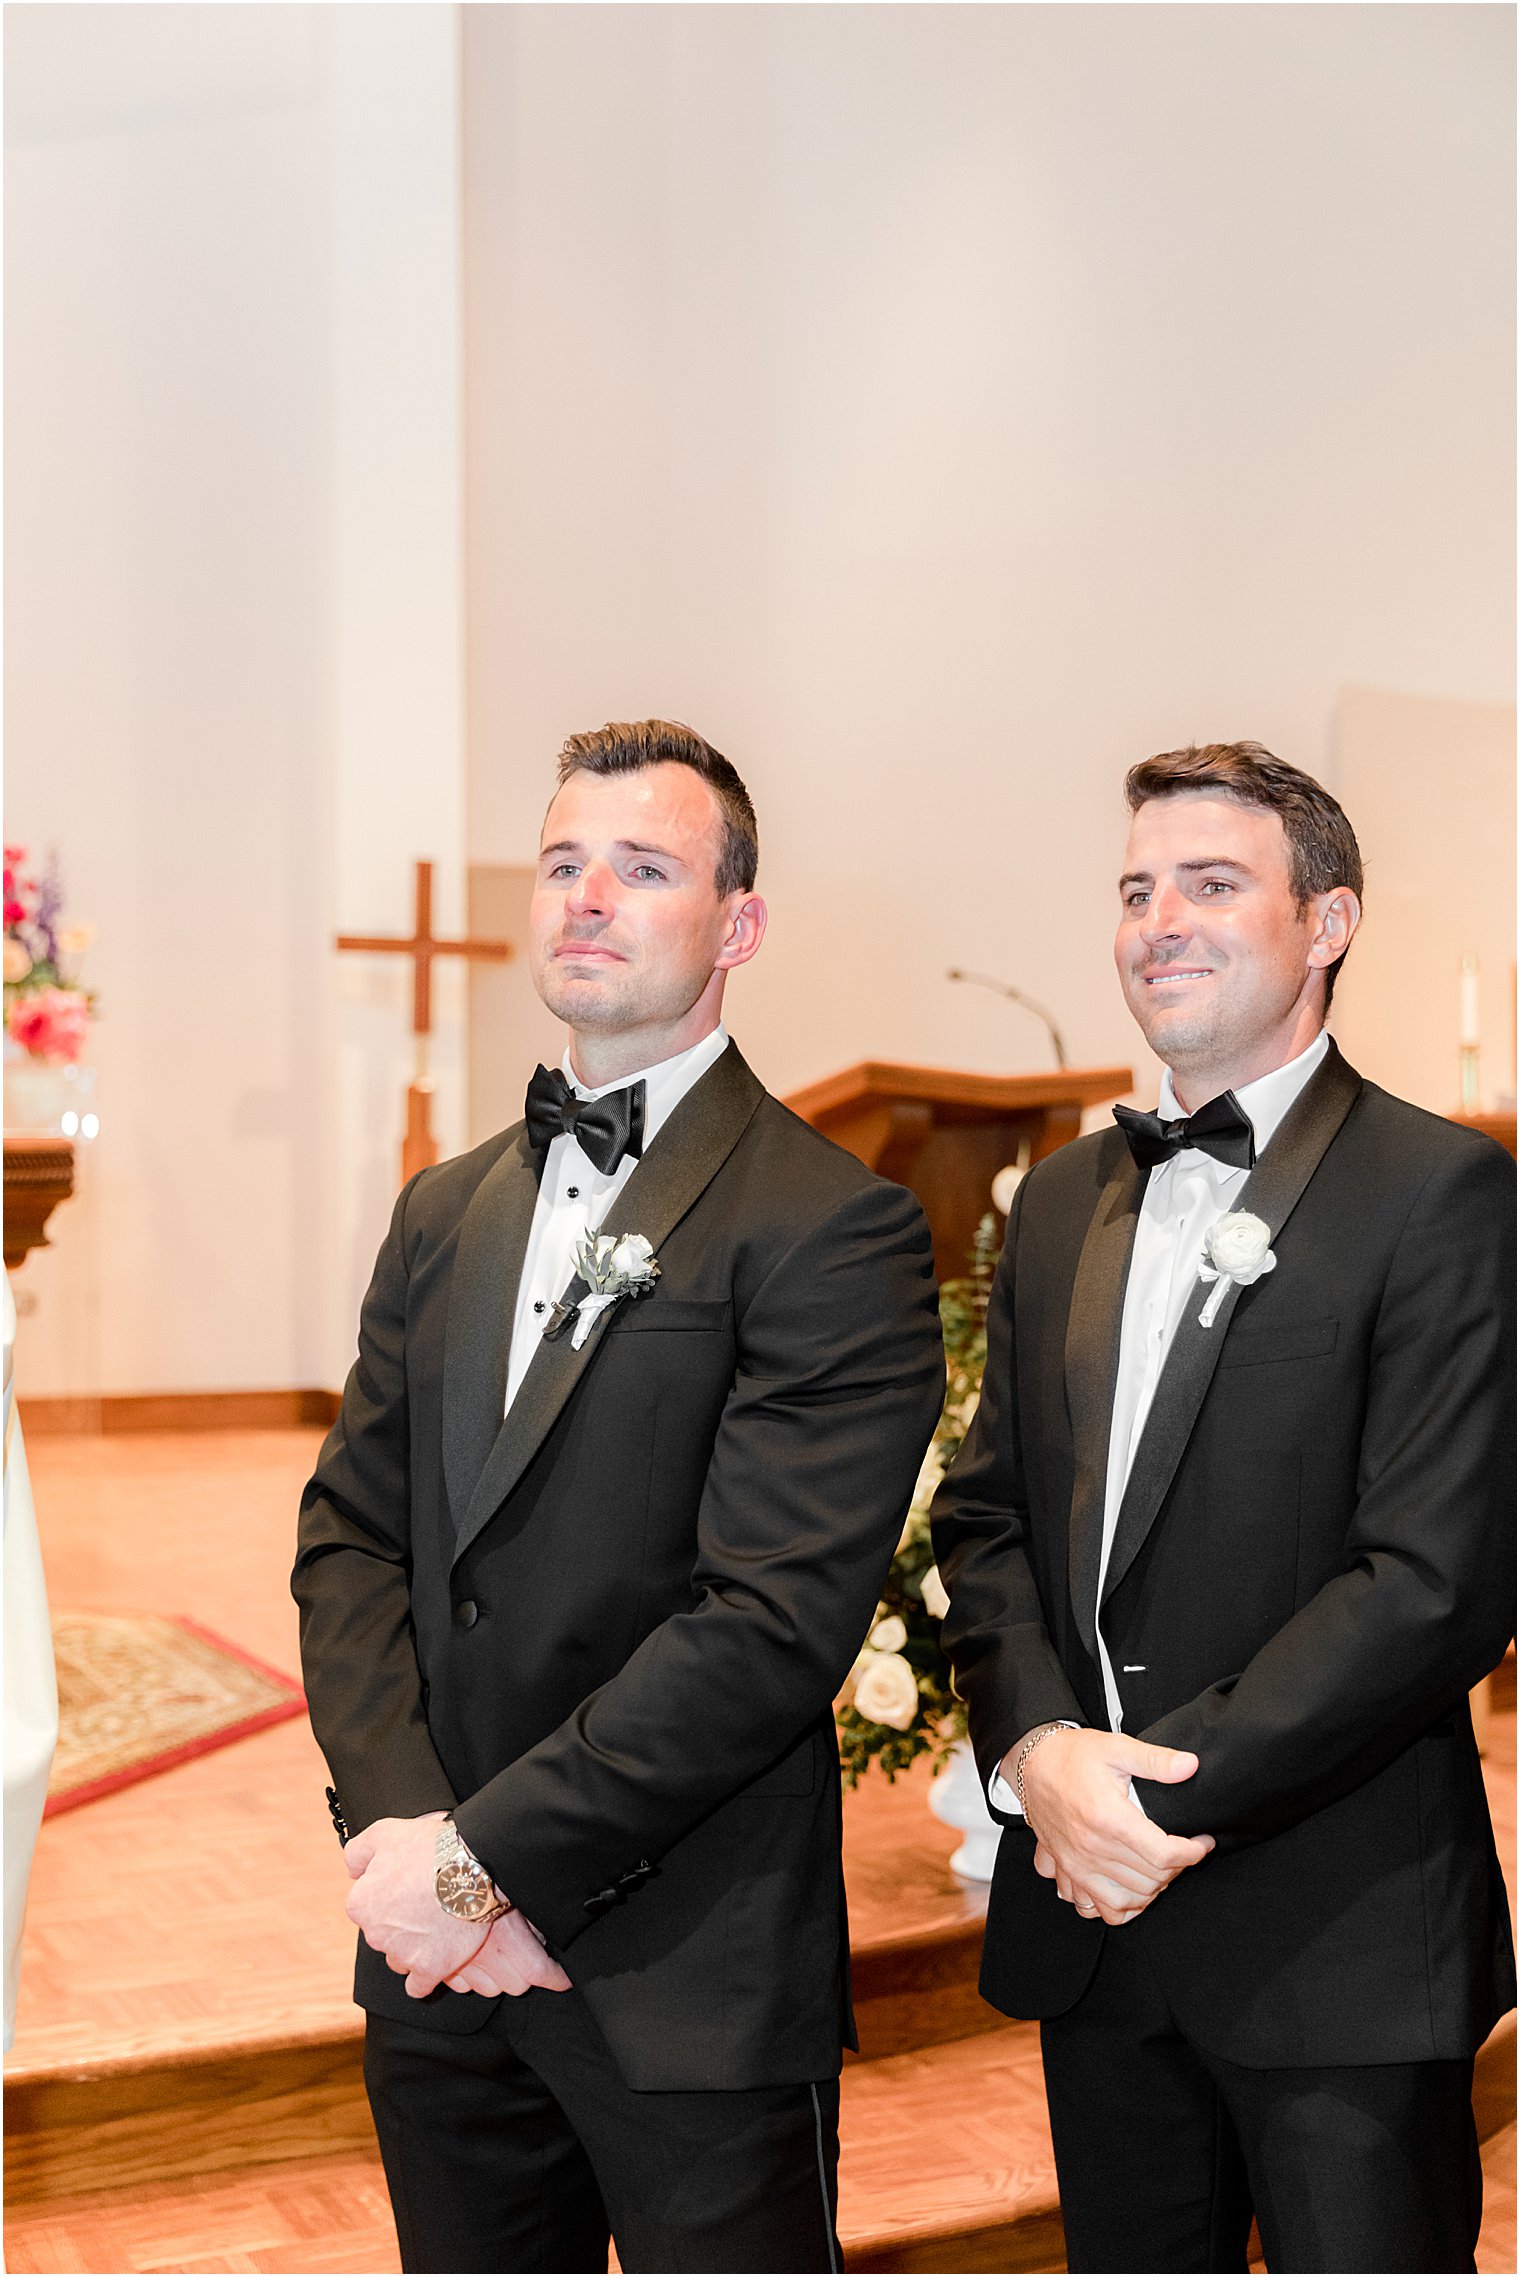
{"x": 582, "y": 1566}
{"x": 1246, "y": 1494}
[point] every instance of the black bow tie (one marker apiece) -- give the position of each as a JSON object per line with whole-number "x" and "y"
{"x": 1222, "y": 1129}
{"x": 604, "y": 1129}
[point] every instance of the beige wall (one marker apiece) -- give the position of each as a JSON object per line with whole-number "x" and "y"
{"x": 942, "y": 407}
{"x": 233, "y": 696}
{"x": 938, "y": 406}
{"x": 1430, "y": 787}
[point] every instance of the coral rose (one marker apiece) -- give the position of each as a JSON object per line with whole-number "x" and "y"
{"x": 51, "y": 1023}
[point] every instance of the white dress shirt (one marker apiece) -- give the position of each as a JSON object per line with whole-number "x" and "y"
{"x": 1183, "y": 1198}
{"x": 574, "y": 1197}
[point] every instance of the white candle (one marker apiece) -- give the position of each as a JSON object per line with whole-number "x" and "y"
{"x": 1469, "y": 1036}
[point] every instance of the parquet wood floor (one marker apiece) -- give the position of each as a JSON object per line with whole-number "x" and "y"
{"x": 202, "y": 1911}
{"x": 205, "y": 1906}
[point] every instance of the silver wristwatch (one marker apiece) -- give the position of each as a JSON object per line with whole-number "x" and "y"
{"x": 464, "y": 1887}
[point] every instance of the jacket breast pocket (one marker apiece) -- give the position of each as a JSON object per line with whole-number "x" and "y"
{"x": 1249, "y": 1346}
{"x": 680, "y": 1316}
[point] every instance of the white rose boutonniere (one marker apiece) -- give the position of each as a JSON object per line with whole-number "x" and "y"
{"x": 886, "y": 1690}
{"x": 1238, "y": 1251}
{"x": 612, "y": 1265}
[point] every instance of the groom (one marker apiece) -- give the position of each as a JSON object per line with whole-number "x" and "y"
{"x": 580, "y": 1579}
{"x": 1228, "y": 1543}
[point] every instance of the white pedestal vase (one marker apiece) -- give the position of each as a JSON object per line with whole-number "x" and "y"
{"x": 47, "y": 1097}
{"x": 957, "y": 1799}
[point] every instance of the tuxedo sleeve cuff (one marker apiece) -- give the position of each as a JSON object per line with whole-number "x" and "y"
{"x": 1000, "y": 1794}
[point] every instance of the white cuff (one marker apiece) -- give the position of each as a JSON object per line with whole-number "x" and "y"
{"x": 1000, "y": 1793}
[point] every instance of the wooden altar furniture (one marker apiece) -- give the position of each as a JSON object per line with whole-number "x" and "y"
{"x": 1496, "y": 1126}
{"x": 39, "y": 1174}
{"x": 947, "y": 1134}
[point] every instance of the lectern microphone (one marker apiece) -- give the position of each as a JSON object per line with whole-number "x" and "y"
{"x": 1017, "y": 996}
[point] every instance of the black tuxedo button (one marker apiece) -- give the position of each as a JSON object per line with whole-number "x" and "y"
{"x": 335, "y": 1808}
{"x": 601, "y": 1901}
{"x": 467, "y": 1612}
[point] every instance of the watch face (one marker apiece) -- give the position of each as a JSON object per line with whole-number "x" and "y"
{"x": 464, "y": 1891}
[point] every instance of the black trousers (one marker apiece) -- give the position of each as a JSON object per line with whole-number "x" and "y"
{"x": 518, "y": 2147}
{"x": 1164, "y": 2152}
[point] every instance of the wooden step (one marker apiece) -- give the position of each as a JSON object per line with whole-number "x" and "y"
{"x": 945, "y": 2159}
{"x": 185, "y": 2092}
{"x": 945, "y": 2164}
{"x": 187, "y": 2099}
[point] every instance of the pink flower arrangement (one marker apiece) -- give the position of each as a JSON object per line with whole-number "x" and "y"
{"x": 47, "y": 1013}
{"x": 52, "y": 1024}
{"x": 17, "y": 908}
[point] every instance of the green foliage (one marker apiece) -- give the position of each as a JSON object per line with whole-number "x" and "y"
{"x": 941, "y": 1717}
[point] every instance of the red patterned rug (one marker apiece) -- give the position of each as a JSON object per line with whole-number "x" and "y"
{"x": 140, "y": 1692}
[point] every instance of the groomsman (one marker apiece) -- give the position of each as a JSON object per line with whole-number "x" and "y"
{"x": 585, "y": 1559}
{"x": 1230, "y": 1540}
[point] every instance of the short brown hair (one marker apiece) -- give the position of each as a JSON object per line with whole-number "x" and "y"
{"x": 625, "y": 747}
{"x": 1322, "y": 848}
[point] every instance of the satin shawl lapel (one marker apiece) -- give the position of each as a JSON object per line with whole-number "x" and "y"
{"x": 695, "y": 1143}
{"x": 1272, "y": 1193}
{"x": 488, "y": 1262}
{"x": 1092, "y": 1366}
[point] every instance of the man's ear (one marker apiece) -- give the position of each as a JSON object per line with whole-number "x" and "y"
{"x": 747, "y": 916}
{"x": 1337, "y": 915}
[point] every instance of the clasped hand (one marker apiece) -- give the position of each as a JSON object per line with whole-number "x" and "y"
{"x": 1092, "y": 1840}
{"x": 394, "y": 1904}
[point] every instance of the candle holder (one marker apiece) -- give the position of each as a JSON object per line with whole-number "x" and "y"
{"x": 1467, "y": 1060}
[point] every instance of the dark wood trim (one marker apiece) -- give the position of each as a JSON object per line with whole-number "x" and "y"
{"x": 180, "y": 1411}
{"x": 39, "y": 1174}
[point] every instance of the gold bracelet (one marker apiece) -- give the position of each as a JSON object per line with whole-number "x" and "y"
{"x": 1017, "y": 1782}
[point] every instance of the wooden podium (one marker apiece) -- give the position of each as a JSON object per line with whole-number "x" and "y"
{"x": 947, "y": 1135}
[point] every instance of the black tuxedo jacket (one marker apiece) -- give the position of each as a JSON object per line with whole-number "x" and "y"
{"x": 610, "y": 1629}
{"x": 1314, "y": 1563}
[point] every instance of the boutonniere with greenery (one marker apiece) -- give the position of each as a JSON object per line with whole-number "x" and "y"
{"x": 612, "y": 1265}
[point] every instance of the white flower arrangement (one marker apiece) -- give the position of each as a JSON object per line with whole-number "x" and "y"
{"x": 898, "y": 1701}
{"x": 1237, "y": 1251}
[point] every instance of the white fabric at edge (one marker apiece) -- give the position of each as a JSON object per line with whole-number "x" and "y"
{"x": 31, "y": 1689}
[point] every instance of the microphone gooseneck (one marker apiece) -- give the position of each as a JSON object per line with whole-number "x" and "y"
{"x": 1016, "y": 996}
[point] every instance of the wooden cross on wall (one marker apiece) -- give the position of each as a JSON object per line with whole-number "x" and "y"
{"x": 419, "y": 1148}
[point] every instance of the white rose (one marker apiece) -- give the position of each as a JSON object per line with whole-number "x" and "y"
{"x": 931, "y": 1471}
{"x": 1241, "y": 1245}
{"x": 936, "y": 1599}
{"x": 886, "y": 1691}
{"x": 631, "y": 1256}
{"x": 1005, "y": 1185}
{"x": 889, "y": 1635}
{"x": 965, "y": 1414}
